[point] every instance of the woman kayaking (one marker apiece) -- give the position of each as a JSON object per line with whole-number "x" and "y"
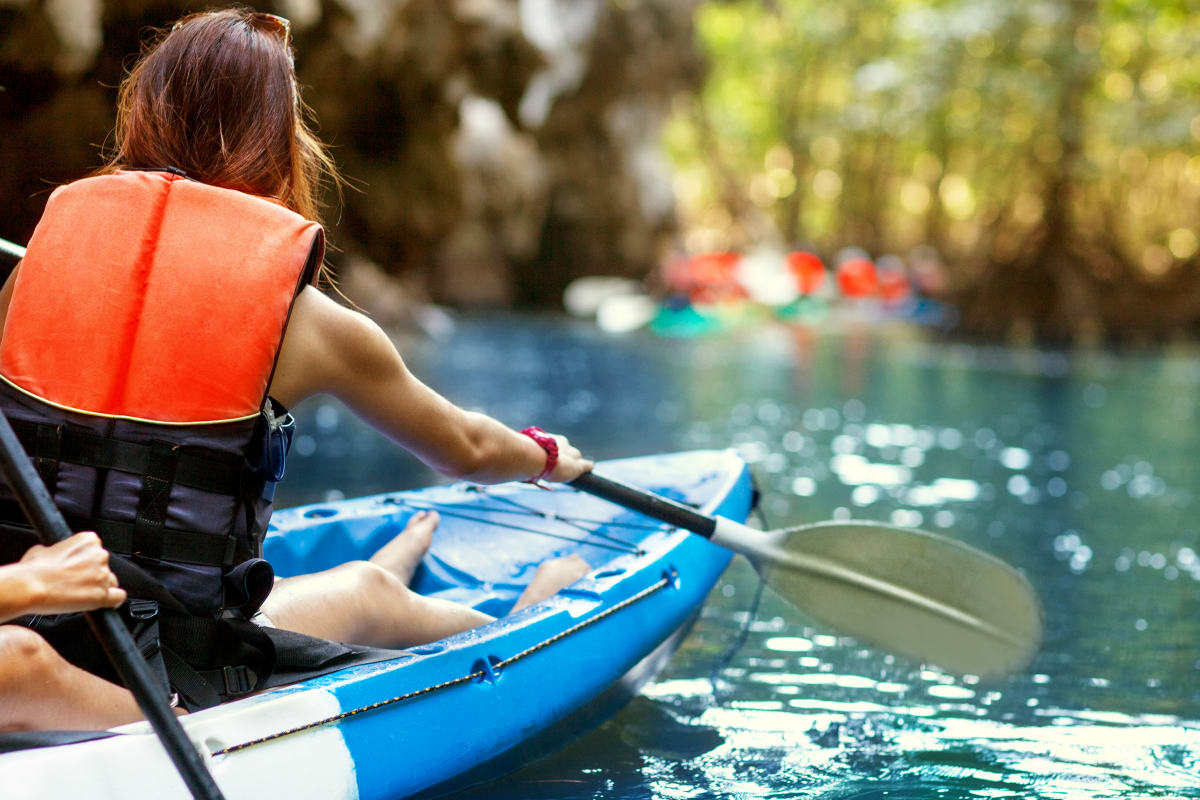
{"x": 164, "y": 318}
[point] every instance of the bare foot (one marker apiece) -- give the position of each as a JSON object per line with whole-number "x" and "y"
{"x": 552, "y": 575}
{"x": 402, "y": 555}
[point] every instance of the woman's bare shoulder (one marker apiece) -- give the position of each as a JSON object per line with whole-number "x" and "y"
{"x": 328, "y": 346}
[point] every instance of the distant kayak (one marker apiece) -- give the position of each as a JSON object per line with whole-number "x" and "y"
{"x": 442, "y": 716}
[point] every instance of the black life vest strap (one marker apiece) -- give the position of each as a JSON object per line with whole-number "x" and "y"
{"x": 205, "y": 688}
{"x": 208, "y": 661}
{"x": 195, "y": 691}
{"x": 211, "y": 661}
{"x": 150, "y": 519}
{"x": 46, "y": 452}
{"x": 186, "y": 547}
{"x": 195, "y": 467}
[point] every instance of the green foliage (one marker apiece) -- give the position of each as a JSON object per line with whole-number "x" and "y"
{"x": 991, "y": 130}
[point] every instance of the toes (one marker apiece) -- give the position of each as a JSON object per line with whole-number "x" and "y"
{"x": 423, "y": 519}
{"x": 574, "y": 564}
{"x": 569, "y": 568}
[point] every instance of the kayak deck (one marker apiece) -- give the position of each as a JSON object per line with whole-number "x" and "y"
{"x": 472, "y": 706}
{"x": 490, "y": 539}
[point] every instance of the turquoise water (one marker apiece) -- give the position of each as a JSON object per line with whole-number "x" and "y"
{"x": 1078, "y": 468}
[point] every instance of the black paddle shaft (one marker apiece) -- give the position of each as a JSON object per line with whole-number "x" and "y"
{"x": 652, "y": 505}
{"x": 51, "y": 528}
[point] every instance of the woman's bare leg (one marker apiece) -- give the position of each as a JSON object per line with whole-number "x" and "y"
{"x": 41, "y": 691}
{"x": 369, "y": 602}
{"x": 364, "y": 603}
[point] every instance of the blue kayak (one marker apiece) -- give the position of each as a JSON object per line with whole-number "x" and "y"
{"x": 462, "y": 710}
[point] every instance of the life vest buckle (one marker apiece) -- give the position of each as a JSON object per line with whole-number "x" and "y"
{"x": 239, "y": 679}
{"x": 142, "y": 609}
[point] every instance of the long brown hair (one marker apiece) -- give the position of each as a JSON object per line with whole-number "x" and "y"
{"x": 216, "y": 97}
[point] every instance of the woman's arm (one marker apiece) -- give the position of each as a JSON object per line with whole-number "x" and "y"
{"x": 330, "y": 348}
{"x": 72, "y": 575}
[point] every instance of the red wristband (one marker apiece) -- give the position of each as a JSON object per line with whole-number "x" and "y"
{"x": 547, "y": 443}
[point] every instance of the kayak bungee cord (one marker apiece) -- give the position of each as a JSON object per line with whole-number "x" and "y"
{"x": 576, "y": 522}
{"x": 666, "y": 580}
{"x": 547, "y": 514}
{"x": 625, "y": 547}
{"x": 523, "y": 510}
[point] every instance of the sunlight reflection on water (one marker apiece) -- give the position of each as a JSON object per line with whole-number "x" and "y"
{"x": 1077, "y": 468}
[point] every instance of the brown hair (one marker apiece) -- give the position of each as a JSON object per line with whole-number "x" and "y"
{"x": 216, "y": 97}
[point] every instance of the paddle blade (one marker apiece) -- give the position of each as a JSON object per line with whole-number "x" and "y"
{"x": 910, "y": 592}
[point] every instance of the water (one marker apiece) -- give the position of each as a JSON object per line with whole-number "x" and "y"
{"x": 1077, "y": 468}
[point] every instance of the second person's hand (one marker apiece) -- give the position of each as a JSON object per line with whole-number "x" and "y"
{"x": 72, "y": 575}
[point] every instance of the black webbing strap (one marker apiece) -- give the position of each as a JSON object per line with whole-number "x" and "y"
{"x": 205, "y": 688}
{"x": 46, "y": 452}
{"x": 186, "y": 547}
{"x": 210, "y": 471}
{"x": 190, "y": 642}
{"x": 150, "y": 519}
{"x": 195, "y": 690}
{"x": 211, "y": 661}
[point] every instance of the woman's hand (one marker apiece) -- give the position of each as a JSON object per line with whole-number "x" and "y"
{"x": 70, "y": 576}
{"x": 571, "y": 463}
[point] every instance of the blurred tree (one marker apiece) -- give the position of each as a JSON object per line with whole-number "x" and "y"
{"x": 1048, "y": 150}
{"x": 502, "y": 147}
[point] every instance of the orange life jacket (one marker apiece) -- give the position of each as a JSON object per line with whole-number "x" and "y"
{"x": 141, "y": 336}
{"x": 149, "y": 296}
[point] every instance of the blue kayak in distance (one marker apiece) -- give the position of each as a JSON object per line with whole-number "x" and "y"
{"x": 439, "y": 717}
